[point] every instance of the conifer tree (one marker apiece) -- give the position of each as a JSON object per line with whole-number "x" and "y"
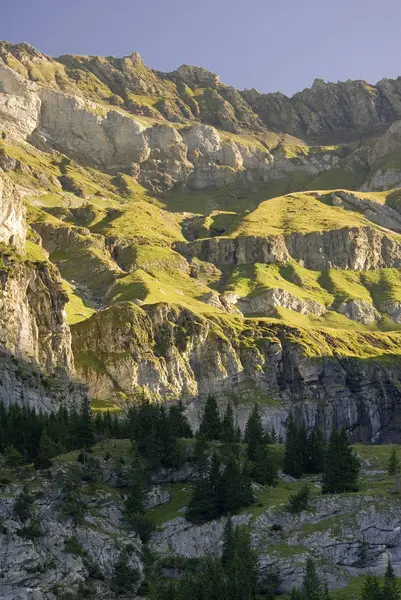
{"x": 311, "y": 588}
{"x": 179, "y": 425}
{"x": 228, "y": 543}
{"x": 254, "y": 434}
{"x": 242, "y": 571}
{"x": 228, "y": 435}
{"x": 13, "y": 458}
{"x": 47, "y": 450}
{"x": 371, "y": 589}
{"x": 294, "y": 455}
{"x": 295, "y": 594}
{"x": 341, "y": 470}
{"x": 316, "y": 451}
{"x": 200, "y": 453}
{"x": 393, "y": 466}
{"x": 210, "y": 426}
{"x": 264, "y": 471}
{"x": 231, "y": 490}
{"x": 85, "y": 437}
{"x": 390, "y": 590}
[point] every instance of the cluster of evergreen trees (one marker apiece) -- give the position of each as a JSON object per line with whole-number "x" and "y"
{"x": 224, "y": 483}
{"x": 29, "y": 436}
{"x": 157, "y": 432}
{"x": 374, "y": 588}
{"x": 311, "y": 454}
{"x": 220, "y": 490}
{"x": 233, "y": 577}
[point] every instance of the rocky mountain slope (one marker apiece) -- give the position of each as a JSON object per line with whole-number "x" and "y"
{"x": 208, "y": 240}
{"x": 163, "y": 234}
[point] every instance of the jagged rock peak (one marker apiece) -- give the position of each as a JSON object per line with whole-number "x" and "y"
{"x": 197, "y": 76}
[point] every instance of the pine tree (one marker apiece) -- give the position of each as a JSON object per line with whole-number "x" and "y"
{"x": 273, "y": 436}
{"x": 294, "y": 455}
{"x": 135, "y": 501}
{"x": 124, "y": 577}
{"x": 230, "y": 488}
{"x": 393, "y": 466}
{"x": 390, "y": 589}
{"x": 316, "y": 451}
{"x": 264, "y": 471}
{"x": 210, "y": 426}
{"x": 84, "y": 434}
{"x": 228, "y": 543}
{"x": 295, "y": 594}
{"x": 311, "y": 588}
{"x": 299, "y": 501}
{"x": 254, "y": 434}
{"x": 371, "y": 589}
{"x": 200, "y": 454}
{"x": 202, "y": 505}
{"x": 341, "y": 470}
{"x": 179, "y": 425}
{"x": 47, "y": 450}
{"x": 228, "y": 435}
{"x": 13, "y": 458}
{"x": 242, "y": 571}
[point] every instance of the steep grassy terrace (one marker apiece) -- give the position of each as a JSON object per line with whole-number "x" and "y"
{"x": 300, "y": 212}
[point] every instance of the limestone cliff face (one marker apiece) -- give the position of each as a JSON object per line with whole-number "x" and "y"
{"x": 348, "y": 248}
{"x": 52, "y": 114}
{"x": 173, "y": 353}
{"x": 36, "y": 360}
{"x": 12, "y": 214}
{"x": 33, "y": 323}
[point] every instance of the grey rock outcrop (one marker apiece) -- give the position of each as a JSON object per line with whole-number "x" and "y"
{"x": 354, "y": 248}
{"x": 64, "y": 553}
{"x": 264, "y": 304}
{"x": 334, "y": 531}
{"x": 172, "y": 352}
{"x": 360, "y": 311}
{"x": 12, "y": 215}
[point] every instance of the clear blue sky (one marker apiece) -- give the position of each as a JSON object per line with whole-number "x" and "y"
{"x": 271, "y": 45}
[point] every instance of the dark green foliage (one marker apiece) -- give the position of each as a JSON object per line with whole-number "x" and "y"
{"x": 316, "y": 451}
{"x": 124, "y": 577}
{"x": 210, "y": 425}
{"x": 311, "y": 586}
{"x": 390, "y": 589}
{"x": 200, "y": 453}
{"x": 178, "y": 421}
{"x": 13, "y": 458}
{"x": 254, "y": 434}
{"x": 23, "y": 505}
{"x": 85, "y": 437}
{"x": 47, "y": 450}
{"x": 342, "y": 466}
{"x": 264, "y": 470}
{"x": 393, "y": 466}
{"x": 295, "y": 450}
{"x": 228, "y": 543}
{"x": 228, "y": 432}
{"x": 143, "y": 525}
{"x": 220, "y": 490}
{"x": 32, "y": 530}
{"x": 242, "y": 570}
{"x": 295, "y": 594}
{"x": 234, "y": 577}
{"x": 299, "y": 501}
{"x": 155, "y": 432}
{"x": 371, "y": 588}
{"x": 72, "y": 505}
{"x": 303, "y": 453}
